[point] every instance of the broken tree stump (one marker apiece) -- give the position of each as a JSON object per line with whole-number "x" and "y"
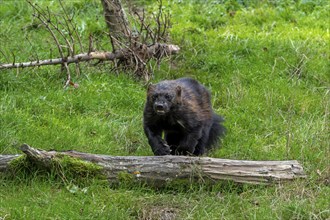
{"x": 168, "y": 168}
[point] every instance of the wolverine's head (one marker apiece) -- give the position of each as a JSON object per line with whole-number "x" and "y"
{"x": 163, "y": 96}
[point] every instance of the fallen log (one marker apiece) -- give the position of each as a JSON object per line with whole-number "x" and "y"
{"x": 5, "y": 160}
{"x": 162, "y": 169}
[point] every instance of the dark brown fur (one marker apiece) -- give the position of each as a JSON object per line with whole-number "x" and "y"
{"x": 181, "y": 112}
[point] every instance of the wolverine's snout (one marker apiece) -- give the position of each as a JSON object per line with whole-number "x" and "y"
{"x": 160, "y": 108}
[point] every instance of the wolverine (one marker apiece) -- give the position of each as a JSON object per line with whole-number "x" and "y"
{"x": 178, "y": 118}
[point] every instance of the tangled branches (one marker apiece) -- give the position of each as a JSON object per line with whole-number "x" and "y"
{"x": 132, "y": 47}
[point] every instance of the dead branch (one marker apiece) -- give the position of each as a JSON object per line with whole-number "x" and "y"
{"x": 152, "y": 51}
{"x": 162, "y": 169}
{"x": 132, "y": 51}
{"x": 136, "y": 42}
{"x": 72, "y": 28}
{"x": 45, "y": 20}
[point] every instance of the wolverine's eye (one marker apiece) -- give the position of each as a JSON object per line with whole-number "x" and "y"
{"x": 168, "y": 97}
{"x": 154, "y": 96}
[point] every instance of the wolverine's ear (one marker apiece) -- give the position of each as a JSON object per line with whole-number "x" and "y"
{"x": 151, "y": 88}
{"x": 178, "y": 94}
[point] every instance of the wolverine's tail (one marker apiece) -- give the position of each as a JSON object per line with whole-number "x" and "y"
{"x": 217, "y": 130}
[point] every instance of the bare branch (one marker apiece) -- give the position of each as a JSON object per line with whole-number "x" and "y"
{"x": 131, "y": 50}
{"x": 37, "y": 57}
{"x": 90, "y": 48}
{"x": 151, "y": 51}
{"x": 39, "y": 13}
{"x": 68, "y": 22}
{"x": 14, "y": 57}
{"x": 56, "y": 27}
{"x": 68, "y": 80}
{"x": 77, "y": 58}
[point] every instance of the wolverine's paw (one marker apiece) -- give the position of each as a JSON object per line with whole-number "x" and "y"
{"x": 184, "y": 151}
{"x": 163, "y": 151}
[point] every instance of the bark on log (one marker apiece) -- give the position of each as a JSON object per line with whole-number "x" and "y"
{"x": 167, "y": 168}
{"x": 5, "y": 160}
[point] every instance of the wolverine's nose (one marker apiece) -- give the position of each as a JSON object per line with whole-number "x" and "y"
{"x": 159, "y": 107}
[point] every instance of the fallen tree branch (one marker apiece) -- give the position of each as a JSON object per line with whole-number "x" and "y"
{"x": 131, "y": 50}
{"x": 153, "y": 51}
{"x": 162, "y": 169}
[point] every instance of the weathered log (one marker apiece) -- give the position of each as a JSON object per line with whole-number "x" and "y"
{"x": 5, "y": 160}
{"x": 169, "y": 168}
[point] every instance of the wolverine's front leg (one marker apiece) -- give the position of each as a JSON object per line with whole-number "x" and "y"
{"x": 158, "y": 145}
{"x": 189, "y": 141}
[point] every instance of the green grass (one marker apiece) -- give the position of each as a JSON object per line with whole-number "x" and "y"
{"x": 266, "y": 64}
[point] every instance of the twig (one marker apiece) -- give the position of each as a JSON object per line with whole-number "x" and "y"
{"x": 68, "y": 22}
{"x": 90, "y": 47}
{"x": 32, "y": 48}
{"x": 14, "y": 58}
{"x": 68, "y": 80}
{"x": 49, "y": 29}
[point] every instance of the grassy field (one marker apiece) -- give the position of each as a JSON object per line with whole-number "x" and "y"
{"x": 266, "y": 64}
